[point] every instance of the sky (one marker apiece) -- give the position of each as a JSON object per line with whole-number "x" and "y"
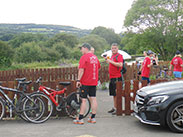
{"x": 84, "y": 14}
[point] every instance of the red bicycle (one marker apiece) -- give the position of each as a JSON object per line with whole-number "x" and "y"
{"x": 71, "y": 103}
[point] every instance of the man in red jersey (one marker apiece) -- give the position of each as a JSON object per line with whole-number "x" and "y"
{"x": 115, "y": 66}
{"x": 87, "y": 81}
{"x": 146, "y": 66}
{"x": 177, "y": 63}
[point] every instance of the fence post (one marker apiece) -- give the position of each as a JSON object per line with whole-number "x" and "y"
{"x": 127, "y": 97}
{"x": 119, "y": 98}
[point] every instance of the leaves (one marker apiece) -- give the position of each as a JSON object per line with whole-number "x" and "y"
{"x": 157, "y": 24}
{"x": 6, "y": 54}
{"x": 108, "y": 34}
{"x": 96, "y": 41}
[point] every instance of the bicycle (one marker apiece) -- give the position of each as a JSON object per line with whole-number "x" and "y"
{"x": 71, "y": 103}
{"x": 29, "y": 107}
{"x": 163, "y": 73}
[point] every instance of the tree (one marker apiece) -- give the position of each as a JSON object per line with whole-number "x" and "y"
{"x": 28, "y": 52}
{"x": 6, "y": 37}
{"x": 19, "y": 39}
{"x": 63, "y": 50}
{"x": 160, "y": 22}
{"x": 99, "y": 43}
{"x": 76, "y": 54}
{"x": 50, "y": 54}
{"x": 69, "y": 40}
{"x": 6, "y": 54}
{"x": 108, "y": 34}
{"x": 132, "y": 43}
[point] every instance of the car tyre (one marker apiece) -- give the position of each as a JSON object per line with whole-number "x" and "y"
{"x": 174, "y": 117}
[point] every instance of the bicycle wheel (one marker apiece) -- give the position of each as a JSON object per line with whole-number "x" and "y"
{"x": 73, "y": 103}
{"x": 21, "y": 115}
{"x": 2, "y": 108}
{"x": 38, "y": 109}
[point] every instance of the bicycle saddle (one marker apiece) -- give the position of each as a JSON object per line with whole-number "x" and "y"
{"x": 20, "y": 79}
{"x": 64, "y": 83}
{"x": 26, "y": 82}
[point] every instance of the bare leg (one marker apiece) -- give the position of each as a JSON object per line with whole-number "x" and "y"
{"x": 83, "y": 106}
{"x": 94, "y": 105}
{"x": 115, "y": 101}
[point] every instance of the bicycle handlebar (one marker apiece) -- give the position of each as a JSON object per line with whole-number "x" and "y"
{"x": 38, "y": 80}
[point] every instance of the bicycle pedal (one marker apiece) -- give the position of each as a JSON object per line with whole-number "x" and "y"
{"x": 59, "y": 108}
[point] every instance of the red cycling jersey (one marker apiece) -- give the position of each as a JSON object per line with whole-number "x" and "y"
{"x": 177, "y": 62}
{"x": 145, "y": 69}
{"x": 90, "y": 63}
{"x": 115, "y": 72}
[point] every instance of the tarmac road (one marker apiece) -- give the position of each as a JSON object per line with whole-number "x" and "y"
{"x": 106, "y": 126}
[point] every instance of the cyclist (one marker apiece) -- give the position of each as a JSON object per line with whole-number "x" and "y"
{"x": 87, "y": 81}
{"x": 146, "y": 66}
{"x": 115, "y": 66}
{"x": 177, "y": 63}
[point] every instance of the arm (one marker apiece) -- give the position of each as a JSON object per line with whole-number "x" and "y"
{"x": 170, "y": 68}
{"x": 156, "y": 59}
{"x": 80, "y": 74}
{"x": 117, "y": 64}
{"x": 181, "y": 63}
{"x": 150, "y": 65}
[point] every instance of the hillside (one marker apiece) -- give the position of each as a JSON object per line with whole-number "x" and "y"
{"x": 40, "y": 28}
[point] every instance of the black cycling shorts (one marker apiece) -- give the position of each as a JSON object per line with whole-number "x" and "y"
{"x": 88, "y": 90}
{"x": 112, "y": 86}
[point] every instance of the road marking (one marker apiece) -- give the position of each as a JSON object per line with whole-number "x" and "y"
{"x": 86, "y": 136}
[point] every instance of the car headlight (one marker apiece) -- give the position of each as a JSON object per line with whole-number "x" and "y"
{"x": 157, "y": 100}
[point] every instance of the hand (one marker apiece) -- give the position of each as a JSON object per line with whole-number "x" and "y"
{"x": 139, "y": 73}
{"x": 170, "y": 73}
{"x": 78, "y": 84}
{"x": 108, "y": 60}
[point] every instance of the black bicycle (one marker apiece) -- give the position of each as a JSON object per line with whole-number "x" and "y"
{"x": 28, "y": 106}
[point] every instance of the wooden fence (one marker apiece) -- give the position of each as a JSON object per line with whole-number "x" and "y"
{"x": 70, "y": 73}
{"x": 126, "y": 95}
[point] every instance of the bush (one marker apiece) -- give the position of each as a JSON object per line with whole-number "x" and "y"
{"x": 64, "y": 51}
{"x": 6, "y": 54}
{"x": 28, "y": 52}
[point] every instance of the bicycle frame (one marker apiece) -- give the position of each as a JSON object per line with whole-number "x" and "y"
{"x": 51, "y": 93}
{"x": 68, "y": 103}
{"x": 16, "y": 91}
{"x": 6, "y": 96}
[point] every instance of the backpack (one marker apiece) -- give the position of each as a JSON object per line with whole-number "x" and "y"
{"x": 124, "y": 69}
